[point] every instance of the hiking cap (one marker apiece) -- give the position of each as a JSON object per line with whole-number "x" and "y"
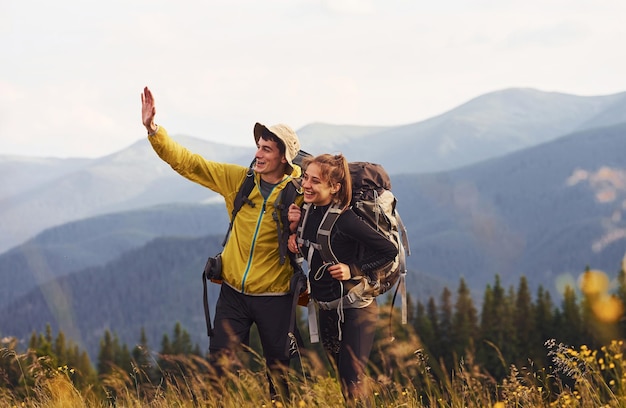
{"x": 285, "y": 134}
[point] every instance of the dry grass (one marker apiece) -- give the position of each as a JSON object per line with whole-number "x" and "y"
{"x": 579, "y": 378}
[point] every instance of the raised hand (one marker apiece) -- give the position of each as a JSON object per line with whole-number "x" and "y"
{"x": 148, "y": 110}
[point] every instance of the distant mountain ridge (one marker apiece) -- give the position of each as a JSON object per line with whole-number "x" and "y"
{"x": 488, "y": 126}
{"x": 133, "y": 178}
{"x": 42, "y": 194}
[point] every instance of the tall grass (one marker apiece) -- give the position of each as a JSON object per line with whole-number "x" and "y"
{"x": 578, "y": 377}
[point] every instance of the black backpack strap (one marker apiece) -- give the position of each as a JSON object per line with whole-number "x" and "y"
{"x": 297, "y": 285}
{"x": 207, "y": 313}
{"x": 286, "y": 197}
{"x": 324, "y": 230}
{"x": 303, "y": 217}
{"x": 240, "y": 199}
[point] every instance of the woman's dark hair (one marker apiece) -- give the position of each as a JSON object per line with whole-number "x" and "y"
{"x": 334, "y": 170}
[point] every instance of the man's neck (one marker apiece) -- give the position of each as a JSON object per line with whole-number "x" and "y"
{"x": 272, "y": 178}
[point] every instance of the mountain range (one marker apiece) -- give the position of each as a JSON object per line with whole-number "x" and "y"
{"x": 517, "y": 182}
{"x": 41, "y": 193}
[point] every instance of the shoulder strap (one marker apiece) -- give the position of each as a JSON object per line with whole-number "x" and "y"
{"x": 300, "y": 234}
{"x": 286, "y": 197}
{"x": 403, "y": 233}
{"x": 322, "y": 239}
{"x": 323, "y": 233}
{"x": 240, "y": 199}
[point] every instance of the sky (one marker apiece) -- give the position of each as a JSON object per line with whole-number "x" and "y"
{"x": 72, "y": 71}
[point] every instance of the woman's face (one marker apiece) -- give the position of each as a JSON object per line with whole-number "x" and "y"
{"x": 317, "y": 190}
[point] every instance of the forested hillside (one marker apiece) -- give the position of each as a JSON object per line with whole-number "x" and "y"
{"x": 96, "y": 241}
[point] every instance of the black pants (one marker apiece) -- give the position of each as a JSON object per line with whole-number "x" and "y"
{"x": 351, "y": 353}
{"x": 235, "y": 313}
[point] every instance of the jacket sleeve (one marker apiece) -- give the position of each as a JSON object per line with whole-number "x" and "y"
{"x": 223, "y": 178}
{"x": 377, "y": 249}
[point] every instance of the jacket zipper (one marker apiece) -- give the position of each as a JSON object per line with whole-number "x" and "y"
{"x": 256, "y": 233}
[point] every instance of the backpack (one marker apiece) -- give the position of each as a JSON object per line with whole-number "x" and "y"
{"x": 373, "y": 201}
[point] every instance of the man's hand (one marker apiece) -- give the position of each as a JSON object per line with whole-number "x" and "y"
{"x": 293, "y": 215}
{"x": 148, "y": 111}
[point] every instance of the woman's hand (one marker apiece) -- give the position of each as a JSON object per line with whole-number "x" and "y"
{"x": 292, "y": 243}
{"x": 339, "y": 271}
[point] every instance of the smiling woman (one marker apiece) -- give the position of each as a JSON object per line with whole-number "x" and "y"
{"x": 346, "y": 327}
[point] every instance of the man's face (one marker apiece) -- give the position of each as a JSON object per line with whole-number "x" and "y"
{"x": 269, "y": 161}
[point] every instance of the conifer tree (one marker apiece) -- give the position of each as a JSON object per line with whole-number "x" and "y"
{"x": 33, "y": 341}
{"x": 507, "y": 334}
{"x": 62, "y": 353}
{"x": 495, "y": 330}
{"x": 487, "y": 322}
{"x": 170, "y": 350}
{"x": 433, "y": 317}
{"x": 525, "y": 332}
{"x": 445, "y": 330}
{"x": 60, "y": 349}
{"x": 181, "y": 343}
{"x": 44, "y": 342}
{"x": 544, "y": 318}
{"x": 166, "y": 345}
{"x": 122, "y": 357}
{"x": 465, "y": 321}
{"x": 106, "y": 355}
{"x": 569, "y": 324}
{"x": 48, "y": 335}
{"x": 87, "y": 375}
{"x": 141, "y": 358}
{"x": 424, "y": 329}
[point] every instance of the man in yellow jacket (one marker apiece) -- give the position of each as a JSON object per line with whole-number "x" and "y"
{"x": 255, "y": 287}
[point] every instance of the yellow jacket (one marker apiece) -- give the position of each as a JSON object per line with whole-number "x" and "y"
{"x": 250, "y": 260}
